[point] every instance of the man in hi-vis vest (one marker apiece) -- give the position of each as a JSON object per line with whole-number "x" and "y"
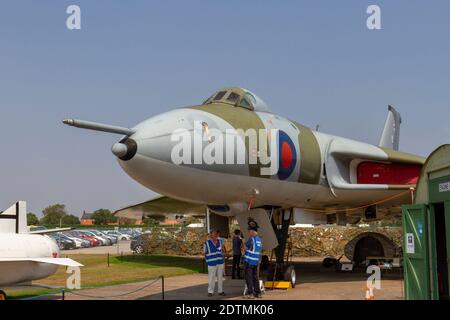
{"x": 252, "y": 258}
{"x": 214, "y": 259}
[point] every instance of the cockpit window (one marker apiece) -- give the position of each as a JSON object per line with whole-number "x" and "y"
{"x": 208, "y": 100}
{"x": 233, "y": 97}
{"x": 245, "y": 104}
{"x": 220, "y": 95}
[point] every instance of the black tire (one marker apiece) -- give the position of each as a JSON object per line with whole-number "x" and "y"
{"x": 290, "y": 275}
{"x": 139, "y": 249}
{"x": 2, "y": 295}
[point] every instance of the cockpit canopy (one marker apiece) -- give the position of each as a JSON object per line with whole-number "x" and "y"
{"x": 238, "y": 97}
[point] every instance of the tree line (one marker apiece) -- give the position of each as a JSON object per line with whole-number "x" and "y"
{"x": 57, "y": 215}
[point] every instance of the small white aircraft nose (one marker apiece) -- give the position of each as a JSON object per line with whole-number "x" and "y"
{"x": 119, "y": 149}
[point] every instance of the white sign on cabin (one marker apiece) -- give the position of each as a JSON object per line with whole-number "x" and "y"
{"x": 410, "y": 247}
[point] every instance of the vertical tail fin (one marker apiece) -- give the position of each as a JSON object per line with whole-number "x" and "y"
{"x": 390, "y": 138}
{"x": 14, "y": 219}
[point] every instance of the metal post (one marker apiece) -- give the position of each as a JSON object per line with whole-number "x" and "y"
{"x": 208, "y": 228}
{"x": 121, "y": 256}
{"x": 108, "y": 259}
{"x": 162, "y": 287}
{"x": 63, "y": 294}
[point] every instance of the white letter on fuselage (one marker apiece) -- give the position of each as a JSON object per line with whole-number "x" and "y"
{"x": 213, "y": 153}
{"x": 181, "y": 152}
{"x": 234, "y": 141}
{"x": 263, "y": 152}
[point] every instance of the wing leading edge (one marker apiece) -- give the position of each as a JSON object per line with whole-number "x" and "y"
{"x": 59, "y": 261}
{"x": 161, "y": 206}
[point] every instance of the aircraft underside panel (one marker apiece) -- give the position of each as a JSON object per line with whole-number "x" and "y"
{"x": 266, "y": 231}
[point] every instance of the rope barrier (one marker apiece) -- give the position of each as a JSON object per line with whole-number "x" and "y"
{"x": 63, "y": 292}
{"x": 113, "y": 296}
{"x": 335, "y": 210}
{"x": 43, "y": 295}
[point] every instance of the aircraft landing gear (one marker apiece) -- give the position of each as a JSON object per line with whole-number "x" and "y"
{"x": 2, "y": 295}
{"x": 281, "y": 271}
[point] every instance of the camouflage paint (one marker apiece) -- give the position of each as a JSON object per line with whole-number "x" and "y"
{"x": 238, "y": 118}
{"x": 310, "y": 158}
{"x": 397, "y": 156}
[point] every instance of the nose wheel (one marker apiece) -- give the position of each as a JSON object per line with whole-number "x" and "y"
{"x": 281, "y": 270}
{"x": 290, "y": 275}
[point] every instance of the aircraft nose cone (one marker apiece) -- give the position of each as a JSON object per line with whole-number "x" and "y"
{"x": 119, "y": 149}
{"x": 125, "y": 150}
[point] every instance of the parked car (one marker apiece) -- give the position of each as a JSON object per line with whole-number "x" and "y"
{"x": 132, "y": 232}
{"x": 104, "y": 241}
{"x": 137, "y": 244}
{"x": 118, "y": 235}
{"x": 94, "y": 241}
{"x": 79, "y": 242}
{"x": 109, "y": 240}
{"x": 110, "y": 236}
{"x": 63, "y": 242}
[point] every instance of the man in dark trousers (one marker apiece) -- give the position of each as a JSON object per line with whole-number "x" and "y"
{"x": 252, "y": 258}
{"x": 237, "y": 254}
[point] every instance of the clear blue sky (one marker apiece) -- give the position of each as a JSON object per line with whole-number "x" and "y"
{"x": 312, "y": 61}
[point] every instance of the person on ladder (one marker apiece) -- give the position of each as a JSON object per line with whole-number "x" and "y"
{"x": 252, "y": 259}
{"x": 214, "y": 259}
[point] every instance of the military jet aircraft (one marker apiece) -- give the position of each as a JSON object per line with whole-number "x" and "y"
{"x": 290, "y": 173}
{"x": 25, "y": 257}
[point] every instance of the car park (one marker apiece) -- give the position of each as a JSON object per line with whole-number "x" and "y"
{"x": 86, "y": 238}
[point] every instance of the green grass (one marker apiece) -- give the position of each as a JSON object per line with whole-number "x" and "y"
{"x": 126, "y": 269}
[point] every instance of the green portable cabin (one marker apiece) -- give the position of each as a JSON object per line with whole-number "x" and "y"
{"x": 426, "y": 231}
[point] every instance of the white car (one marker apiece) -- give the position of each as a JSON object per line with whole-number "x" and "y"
{"x": 119, "y": 235}
{"x": 79, "y": 243}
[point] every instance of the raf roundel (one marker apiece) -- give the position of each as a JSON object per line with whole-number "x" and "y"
{"x": 287, "y": 156}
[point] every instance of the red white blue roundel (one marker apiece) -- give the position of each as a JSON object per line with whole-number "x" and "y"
{"x": 287, "y": 155}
